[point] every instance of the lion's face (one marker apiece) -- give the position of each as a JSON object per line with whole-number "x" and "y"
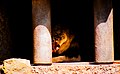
{"x": 58, "y": 39}
{"x": 61, "y": 39}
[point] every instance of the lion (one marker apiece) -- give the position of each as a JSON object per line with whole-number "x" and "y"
{"x": 64, "y": 48}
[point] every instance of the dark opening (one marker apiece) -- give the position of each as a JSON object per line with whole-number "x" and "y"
{"x": 19, "y": 15}
{"x": 116, "y": 25}
{"x": 78, "y": 18}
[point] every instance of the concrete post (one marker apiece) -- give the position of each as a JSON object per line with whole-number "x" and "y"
{"x": 41, "y": 31}
{"x": 103, "y": 26}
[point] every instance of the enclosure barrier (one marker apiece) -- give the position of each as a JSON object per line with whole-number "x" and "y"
{"x": 103, "y": 26}
{"x": 41, "y": 32}
{"x": 104, "y": 48}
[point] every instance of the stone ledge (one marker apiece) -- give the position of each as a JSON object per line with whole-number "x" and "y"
{"x": 77, "y": 68}
{"x": 73, "y": 68}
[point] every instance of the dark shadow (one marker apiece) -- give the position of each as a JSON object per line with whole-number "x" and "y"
{"x": 78, "y": 17}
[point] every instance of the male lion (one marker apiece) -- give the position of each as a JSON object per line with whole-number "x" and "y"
{"x": 64, "y": 46}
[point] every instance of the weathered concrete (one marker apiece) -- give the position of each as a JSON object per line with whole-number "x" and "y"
{"x": 42, "y": 45}
{"x": 103, "y": 21}
{"x": 77, "y": 68}
{"x": 41, "y": 13}
{"x": 42, "y": 32}
{"x": 22, "y": 66}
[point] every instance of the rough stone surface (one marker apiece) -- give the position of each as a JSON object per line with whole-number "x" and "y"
{"x": 22, "y": 66}
{"x": 77, "y": 68}
{"x": 17, "y": 66}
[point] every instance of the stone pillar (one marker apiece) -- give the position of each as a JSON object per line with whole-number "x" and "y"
{"x": 103, "y": 26}
{"x": 41, "y": 32}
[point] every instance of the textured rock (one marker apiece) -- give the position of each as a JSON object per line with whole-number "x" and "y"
{"x": 17, "y": 66}
{"x": 77, "y": 68}
{"x": 11, "y": 66}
